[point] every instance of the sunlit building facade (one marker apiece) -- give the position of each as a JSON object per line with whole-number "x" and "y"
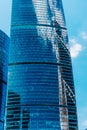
{"x": 38, "y": 88}
{"x": 4, "y": 45}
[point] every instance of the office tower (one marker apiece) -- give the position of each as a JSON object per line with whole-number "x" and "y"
{"x": 40, "y": 84}
{"x": 4, "y": 44}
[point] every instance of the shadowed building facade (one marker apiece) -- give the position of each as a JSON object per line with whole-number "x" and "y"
{"x": 39, "y": 57}
{"x": 4, "y": 45}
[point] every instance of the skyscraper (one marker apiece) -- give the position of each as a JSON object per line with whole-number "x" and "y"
{"x": 4, "y": 45}
{"x": 40, "y": 84}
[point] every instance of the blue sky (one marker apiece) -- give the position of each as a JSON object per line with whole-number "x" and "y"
{"x": 76, "y": 20}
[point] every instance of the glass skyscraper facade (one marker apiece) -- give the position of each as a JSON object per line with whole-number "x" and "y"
{"x": 4, "y": 45}
{"x": 40, "y": 84}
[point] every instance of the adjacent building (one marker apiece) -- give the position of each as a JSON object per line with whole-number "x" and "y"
{"x": 4, "y": 46}
{"x": 41, "y": 92}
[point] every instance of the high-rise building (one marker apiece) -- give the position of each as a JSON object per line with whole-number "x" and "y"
{"x": 41, "y": 92}
{"x": 4, "y": 45}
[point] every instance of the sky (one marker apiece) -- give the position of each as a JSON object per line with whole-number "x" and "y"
{"x": 76, "y": 21}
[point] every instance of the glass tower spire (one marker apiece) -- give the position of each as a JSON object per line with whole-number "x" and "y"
{"x": 40, "y": 73}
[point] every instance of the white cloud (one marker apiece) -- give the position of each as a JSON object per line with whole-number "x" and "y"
{"x": 84, "y": 35}
{"x": 75, "y": 48}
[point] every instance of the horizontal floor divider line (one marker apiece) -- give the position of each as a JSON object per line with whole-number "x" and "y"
{"x": 8, "y": 106}
{"x": 20, "y": 63}
{"x": 34, "y": 25}
{"x": 3, "y": 81}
